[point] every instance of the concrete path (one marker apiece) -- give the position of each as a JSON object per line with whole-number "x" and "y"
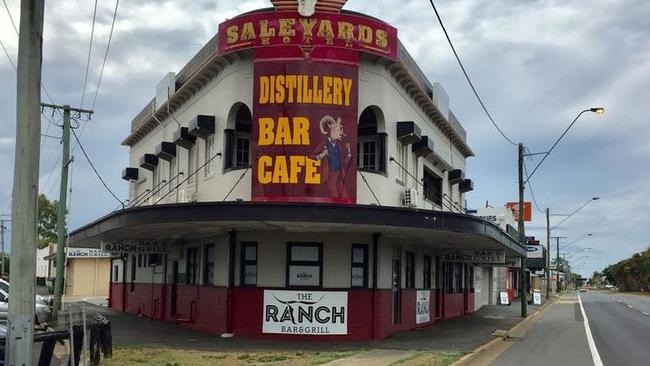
{"x": 375, "y": 357}
{"x": 557, "y": 338}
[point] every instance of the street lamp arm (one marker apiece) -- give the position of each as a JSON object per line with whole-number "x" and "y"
{"x": 573, "y": 212}
{"x": 555, "y": 144}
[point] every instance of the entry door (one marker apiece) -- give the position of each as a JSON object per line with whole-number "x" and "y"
{"x": 397, "y": 285}
{"x": 174, "y": 287}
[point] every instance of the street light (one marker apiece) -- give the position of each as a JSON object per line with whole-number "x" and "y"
{"x": 522, "y": 183}
{"x": 574, "y": 211}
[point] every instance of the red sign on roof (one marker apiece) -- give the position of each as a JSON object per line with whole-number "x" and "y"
{"x": 322, "y": 30}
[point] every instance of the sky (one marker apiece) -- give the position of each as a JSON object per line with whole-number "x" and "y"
{"x": 537, "y": 64}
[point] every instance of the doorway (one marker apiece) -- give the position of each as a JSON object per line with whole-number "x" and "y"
{"x": 174, "y": 294}
{"x": 397, "y": 285}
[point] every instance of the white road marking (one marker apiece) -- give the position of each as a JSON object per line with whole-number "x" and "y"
{"x": 629, "y": 306}
{"x": 645, "y": 313}
{"x": 590, "y": 339}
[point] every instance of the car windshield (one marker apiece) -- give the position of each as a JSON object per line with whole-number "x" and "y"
{"x": 4, "y": 286}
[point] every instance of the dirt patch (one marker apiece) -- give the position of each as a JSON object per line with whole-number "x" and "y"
{"x": 429, "y": 359}
{"x": 147, "y": 356}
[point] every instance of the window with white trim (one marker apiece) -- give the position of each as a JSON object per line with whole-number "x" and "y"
{"x": 209, "y": 153}
{"x": 304, "y": 264}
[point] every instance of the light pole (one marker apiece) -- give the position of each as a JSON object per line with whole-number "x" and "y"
{"x": 578, "y": 252}
{"x": 522, "y": 184}
{"x": 577, "y": 240}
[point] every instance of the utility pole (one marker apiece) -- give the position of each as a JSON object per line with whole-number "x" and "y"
{"x": 557, "y": 261}
{"x": 24, "y": 229}
{"x": 63, "y": 190}
{"x": 548, "y": 253}
{"x": 522, "y": 235}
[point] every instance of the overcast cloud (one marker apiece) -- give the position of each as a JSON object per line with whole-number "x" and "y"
{"x": 536, "y": 63}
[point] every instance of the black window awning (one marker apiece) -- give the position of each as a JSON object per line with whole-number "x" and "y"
{"x": 130, "y": 173}
{"x": 423, "y": 147}
{"x": 466, "y": 185}
{"x": 149, "y": 162}
{"x": 166, "y": 151}
{"x": 456, "y": 176}
{"x": 202, "y": 126}
{"x": 183, "y": 138}
{"x": 408, "y": 132}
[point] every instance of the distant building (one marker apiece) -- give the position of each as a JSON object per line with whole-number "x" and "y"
{"x": 87, "y": 272}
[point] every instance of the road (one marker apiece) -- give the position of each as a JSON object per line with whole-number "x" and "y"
{"x": 619, "y": 324}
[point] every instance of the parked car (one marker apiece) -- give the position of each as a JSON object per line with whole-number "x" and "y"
{"x": 42, "y": 313}
{"x": 45, "y": 300}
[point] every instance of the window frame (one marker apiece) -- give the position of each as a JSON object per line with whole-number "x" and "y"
{"x": 429, "y": 177}
{"x": 247, "y": 262}
{"x": 409, "y": 269}
{"x": 363, "y": 265}
{"x": 290, "y": 263}
{"x": 193, "y": 268}
{"x": 192, "y": 166}
{"x": 426, "y": 272}
{"x": 208, "y": 154}
{"x": 207, "y": 265}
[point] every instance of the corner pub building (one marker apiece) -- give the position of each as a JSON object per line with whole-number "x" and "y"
{"x": 299, "y": 178}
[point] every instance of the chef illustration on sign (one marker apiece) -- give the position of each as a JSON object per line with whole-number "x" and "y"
{"x": 335, "y": 158}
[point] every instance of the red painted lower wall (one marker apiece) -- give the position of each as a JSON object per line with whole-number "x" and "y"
{"x": 205, "y": 309}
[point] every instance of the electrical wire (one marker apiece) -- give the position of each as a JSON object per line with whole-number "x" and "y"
{"x": 10, "y": 17}
{"x": 108, "y": 46}
{"x": 93, "y": 167}
{"x": 8, "y": 57}
{"x": 471, "y": 84}
{"x": 90, "y": 48}
{"x": 532, "y": 194}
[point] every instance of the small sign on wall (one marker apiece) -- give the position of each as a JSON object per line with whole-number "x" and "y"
{"x": 422, "y": 307}
{"x": 503, "y": 298}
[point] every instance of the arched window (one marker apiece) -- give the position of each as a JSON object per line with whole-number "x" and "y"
{"x": 238, "y": 140}
{"x": 371, "y": 144}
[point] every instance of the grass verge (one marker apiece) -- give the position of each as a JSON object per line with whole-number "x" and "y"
{"x": 151, "y": 356}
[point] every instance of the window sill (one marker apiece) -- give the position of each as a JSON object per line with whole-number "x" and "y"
{"x": 399, "y": 181}
{"x": 373, "y": 171}
{"x": 227, "y": 170}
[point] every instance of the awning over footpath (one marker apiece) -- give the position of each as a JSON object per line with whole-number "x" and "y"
{"x": 437, "y": 229}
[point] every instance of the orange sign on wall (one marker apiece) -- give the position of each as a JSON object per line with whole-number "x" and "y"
{"x": 528, "y": 211}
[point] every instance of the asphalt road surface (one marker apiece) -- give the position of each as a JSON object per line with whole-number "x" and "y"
{"x": 620, "y": 325}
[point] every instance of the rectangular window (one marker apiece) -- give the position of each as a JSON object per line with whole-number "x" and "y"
{"x": 208, "y": 265}
{"x": 191, "y": 266}
{"x": 304, "y": 264}
{"x": 191, "y": 163}
{"x": 410, "y": 270}
{"x": 172, "y": 175}
{"x": 133, "y": 270}
{"x": 116, "y": 274}
{"x": 242, "y": 152}
{"x": 209, "y": 153}
{"x": 140, "y": 261}
{"x": 448, "y": 276}
{"x": 248, "y": 268}
{"x": 154, "y": 259}
{"x": 426, "y": 272}
{"x": 368, "y": 153}
{"x": 432, "y": 187}
{"x": 359, "y": 269}
{"x": 402, "y": 159}
{"x": 458, "y": 275}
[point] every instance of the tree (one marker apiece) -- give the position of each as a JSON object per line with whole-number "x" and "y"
{"x": 48, "y": 213}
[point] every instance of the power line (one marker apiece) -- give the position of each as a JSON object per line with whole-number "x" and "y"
{"x": 108, "y": 46}
{"x": 487, "y": 113}
{"x": 90, "y": 48}
{"x": 8, "y": 57}
{"x": 532, "y": 194}
{"x": 93, "y": 167}
{"x": 10, "y": 17}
